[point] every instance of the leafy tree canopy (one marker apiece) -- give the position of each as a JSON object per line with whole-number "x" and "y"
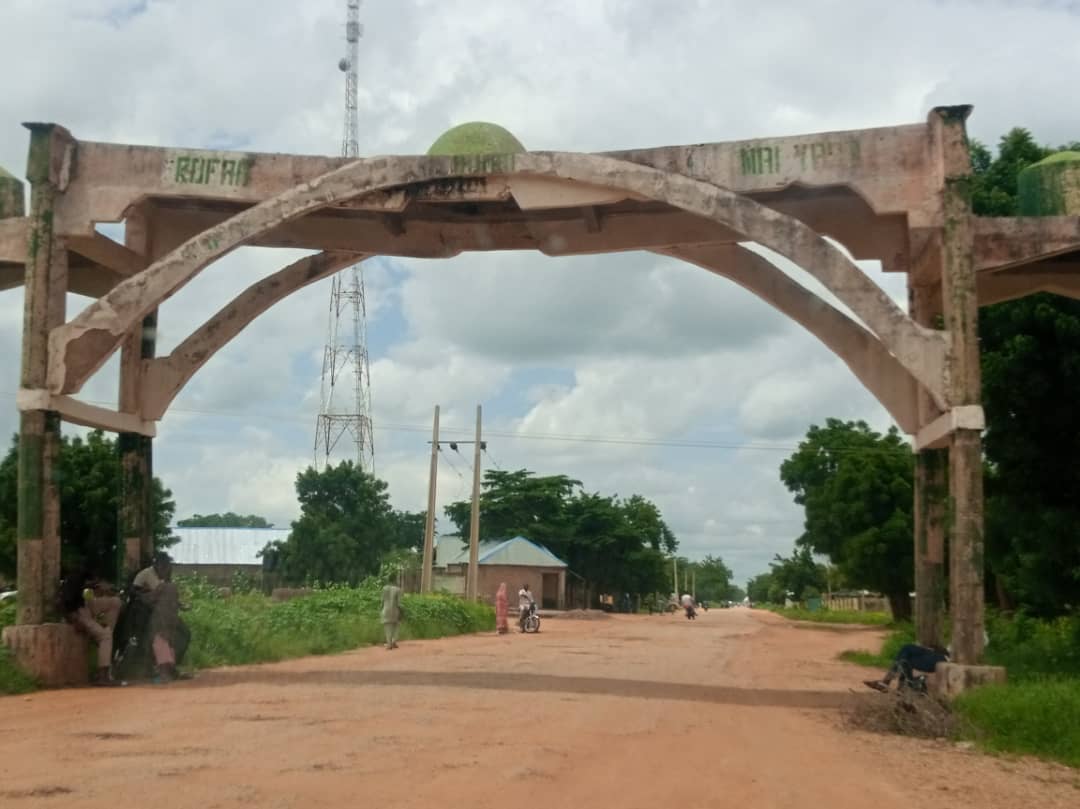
{"x": 89, "y": 477}
{"x": 617, "y": 545}
{"x": 855, "y": 486}
{"x": 226, "y": 520}
{"x": 346, "y": 528}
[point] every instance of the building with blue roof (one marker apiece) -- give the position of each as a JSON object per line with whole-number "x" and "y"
{"x": 516, "y": 561}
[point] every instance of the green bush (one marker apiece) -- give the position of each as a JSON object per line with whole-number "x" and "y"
{"x": 253, "y": 629}
{"x": 13, "y": 680}
{"x": 834, "y": 616}
{"x": 1031, "y": 648}
{"x": 1039, "y": 717}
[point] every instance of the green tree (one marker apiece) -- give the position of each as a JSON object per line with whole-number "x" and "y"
{"x": 519, "y": 503}
{"x": 855, "y": 486}
{"x": 346, "y": 526}
{"x": 759, "y": 587}
{"x": 616, "y": 545}
{"x": 797, "y": 574}
{"x": 713, "y": 579}
{"x": 89, "y": 477}
{"x": 227, "y": 520}
{"x": 1031, "y": 381}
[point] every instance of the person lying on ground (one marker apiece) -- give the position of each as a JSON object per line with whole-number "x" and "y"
{"x": 94, "y": 614}
{"x": 911, "y": 658}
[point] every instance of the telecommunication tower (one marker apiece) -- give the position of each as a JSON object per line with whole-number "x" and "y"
{"x": 345, "y": 407}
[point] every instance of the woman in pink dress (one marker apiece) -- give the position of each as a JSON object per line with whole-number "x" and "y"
{"x": 502, "y": 625}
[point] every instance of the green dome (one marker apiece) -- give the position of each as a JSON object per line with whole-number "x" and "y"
{"x": 1051, "y": 186}
{"x": 477, "y": 137}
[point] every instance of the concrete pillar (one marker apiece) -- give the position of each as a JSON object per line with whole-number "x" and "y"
{"x": 961, "y": 311}
{"x": 38, "y": 524}
{"x": 930, "y": 515}
{"x": 135, "y": 544}
{"x": 931, "y": 489}
{"x": 562, "y": 590}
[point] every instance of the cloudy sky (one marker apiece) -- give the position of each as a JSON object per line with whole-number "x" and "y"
{"x": 632, "y": 373}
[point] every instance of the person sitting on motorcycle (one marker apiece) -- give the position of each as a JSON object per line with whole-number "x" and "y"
{"x": 526, "y": 604}
{"x": 688, "y": 605}
{"x": 169, "y": 635}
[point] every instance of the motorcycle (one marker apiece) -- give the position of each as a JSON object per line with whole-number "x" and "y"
{"x": 530, "y": 621}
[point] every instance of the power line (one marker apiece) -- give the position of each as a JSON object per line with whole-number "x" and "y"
{"x": 643, "y": 441}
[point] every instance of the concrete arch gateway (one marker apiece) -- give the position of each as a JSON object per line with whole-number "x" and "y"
{"x": 896, "y": 194}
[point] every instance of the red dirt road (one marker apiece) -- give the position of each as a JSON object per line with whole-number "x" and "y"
{"x": 737, "y": 709}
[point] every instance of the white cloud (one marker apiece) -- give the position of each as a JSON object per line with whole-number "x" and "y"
{"x": 636, "y": 345}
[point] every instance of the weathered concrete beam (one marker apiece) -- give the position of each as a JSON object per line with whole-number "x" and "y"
{"x": 1013, "y": 241}
{"x": 14, "y": 237}
{"x": 880, "y": 372}
{"x": 887, "y": 166}
{"x": 436, "y": 238}
{"x": 165, "y": 377}
{"x": 999, "y": 287}
{"x": 102, "y": 250}
{"x": 81, "y": 346}
{"x": 76, "y": 412}
{"x": 937, "y": 433}
{"x": 950, "y": 680}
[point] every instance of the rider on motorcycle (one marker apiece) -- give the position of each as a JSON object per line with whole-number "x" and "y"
{"x": 526, "y": 604}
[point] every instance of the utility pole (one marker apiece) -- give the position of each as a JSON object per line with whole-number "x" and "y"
{"x": 474, "y": 522}
{"x": 675, "y": 574}
{"x": 693, "y": 584}
{"x": 429, "y": 527}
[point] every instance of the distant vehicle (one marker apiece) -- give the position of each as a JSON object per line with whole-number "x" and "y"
{"x": 8, "y": 596}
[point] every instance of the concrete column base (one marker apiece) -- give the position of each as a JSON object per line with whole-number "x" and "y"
{"x": 53, "y": 654}
{"x": 950, "y": 680}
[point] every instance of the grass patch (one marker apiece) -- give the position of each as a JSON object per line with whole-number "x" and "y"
{"x": 1037, "y": 717}
{"x": 13, "y": 680}
{"x": 835, "y": 616}
{"x": 253, "y": 629}
{"x": 882, "y": 659}
{"x": 250, "y": 628}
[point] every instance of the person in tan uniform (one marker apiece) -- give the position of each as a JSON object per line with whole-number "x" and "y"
{"x": 391, "y": 614}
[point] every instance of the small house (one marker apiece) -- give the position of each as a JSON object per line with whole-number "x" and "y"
{"x": 515, "y": 561}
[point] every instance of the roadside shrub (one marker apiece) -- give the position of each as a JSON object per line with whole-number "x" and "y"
{"x": 834, "y": 616}
{"x": 1039, "y": 717}
{"x": 250, "y": 628}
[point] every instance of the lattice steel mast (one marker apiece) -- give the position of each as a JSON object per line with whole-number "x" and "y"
{"x": 346, "y": 408}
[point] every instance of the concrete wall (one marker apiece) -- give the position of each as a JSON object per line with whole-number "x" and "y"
{"x": 493, "y": 575}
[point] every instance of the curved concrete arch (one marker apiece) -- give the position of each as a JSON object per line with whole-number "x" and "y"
{"x": 80, "y": 347}
{"x": 164, "y": 377}
{"x": 862, "y": 352}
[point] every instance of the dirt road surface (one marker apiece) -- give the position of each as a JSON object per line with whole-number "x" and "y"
{"x": 736, "y": 709}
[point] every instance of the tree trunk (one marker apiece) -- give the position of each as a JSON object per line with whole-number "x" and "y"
{"x": 1003, "y": 600}
{"x": 900, "y": 604}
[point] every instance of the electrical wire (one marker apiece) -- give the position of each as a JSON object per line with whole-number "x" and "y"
{"x": 625, "y": 440}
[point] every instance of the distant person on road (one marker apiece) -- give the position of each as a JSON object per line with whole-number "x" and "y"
{"x": 526, "y": 602}
{"x": 911, "y": 658}
{"x": 688, "y": 605}
{"x": 502, "y": 610}
{"x": 391, "y": 614}
{"x": 95, "y": 615}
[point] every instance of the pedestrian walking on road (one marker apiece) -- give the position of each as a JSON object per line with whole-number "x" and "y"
{"x": 502, "y": 610}
{"x": 391, "y": 614}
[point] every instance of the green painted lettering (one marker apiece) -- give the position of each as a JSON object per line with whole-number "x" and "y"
{"x": 228, "y": 172}
{"x": 211, "y": 168}
{"x": 182, "y": 170}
